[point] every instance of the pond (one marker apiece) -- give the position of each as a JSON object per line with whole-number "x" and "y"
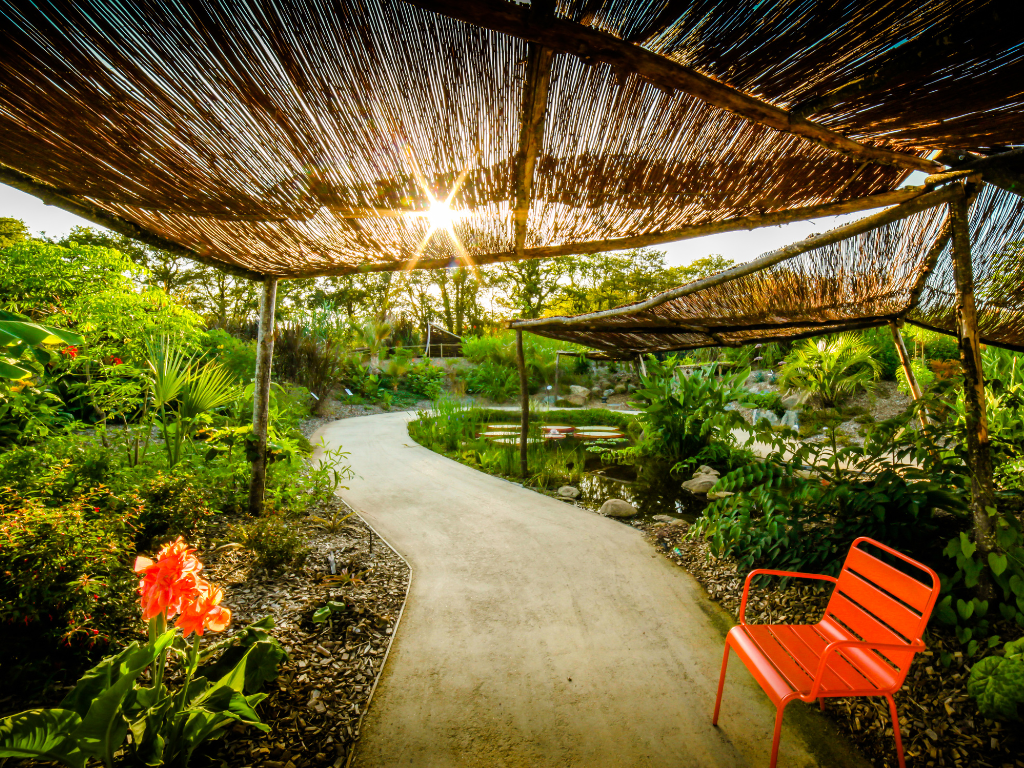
{"x": 578, "y": 456}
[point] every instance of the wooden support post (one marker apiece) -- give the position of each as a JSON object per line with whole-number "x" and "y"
{"x": 531, "y": 135}
{"x": 558, "y": 359}
{"x": 901, "y": 349}
{"x": 979, "y": 453}
{"x": 641, "y": 365}
{"x": 524, "y": 404}
{"x": 261, "y": 394}
{"x": 428, "y": 344}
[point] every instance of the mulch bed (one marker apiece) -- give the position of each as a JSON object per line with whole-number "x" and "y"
{"x": 317, "y": 702}
{"x": 941, "y": 726}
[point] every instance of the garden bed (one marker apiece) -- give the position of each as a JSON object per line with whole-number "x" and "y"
{"x": 941, "y": 726}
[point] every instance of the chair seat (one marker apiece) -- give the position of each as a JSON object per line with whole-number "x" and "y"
{"x": 784, "y": 658}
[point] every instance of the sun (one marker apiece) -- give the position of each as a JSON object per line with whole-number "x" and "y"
{"x": 440, "y": 215}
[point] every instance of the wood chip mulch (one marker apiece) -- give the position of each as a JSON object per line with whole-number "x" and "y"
{"x": 317, "y": 702}
{"x": 941, "y": 726}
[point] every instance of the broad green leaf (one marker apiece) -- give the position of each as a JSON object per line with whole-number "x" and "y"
{"x": 12, "y": 371}
{"x": 42, "y": 734}
{"x": 997, "y": 684}
{"x": 964, "y": 609}
{"x": 997, "y": 563}
{"x": 967, "y": 546}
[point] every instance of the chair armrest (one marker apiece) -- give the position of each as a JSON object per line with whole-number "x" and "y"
{"x": 840, "y": 645}
{"x": 769, "y": 572}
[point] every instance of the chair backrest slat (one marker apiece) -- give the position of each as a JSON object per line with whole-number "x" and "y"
{"x": 882, "y": 604}
{"x": 906, "y": 588}
{"x": 879, "y": 603}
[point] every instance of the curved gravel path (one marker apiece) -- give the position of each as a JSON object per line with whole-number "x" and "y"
{"x": 540, "y": 634}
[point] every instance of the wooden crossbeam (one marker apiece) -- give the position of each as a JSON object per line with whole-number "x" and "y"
{"x": 531, "y": 135}
{"x": 593, "y": 46}
{"x": 1005, "y": 170}
{"x": 753, "y": 221}
{"x": 59, "y": 199}
{"x": 669, "y": 328}
{"x": 868, "y": 223}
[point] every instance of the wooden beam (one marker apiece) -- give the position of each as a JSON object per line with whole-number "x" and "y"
{"x": 979, "y": 451}
{"x": 596, "y": 47}
{"x": 531, "y": 135}
{"x": 524, "y": 405}
{"x": 667, "y": 328}
{"x": 908, "y": 371}
{"x": 261, "y": 395}
{"x": 928, "y": 264}
{"x": 753, "y": 221}
{"x": 868, "y": 223}
{"x": 61, "y": 199}
{"x": 1005, "y": 170}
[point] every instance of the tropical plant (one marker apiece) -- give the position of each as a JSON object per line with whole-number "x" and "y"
{"x": 686, "y": 416}
{"x": 997, "y": 683}
{"x": 831, "y": 367}
{"x": 780, "y": 515}
{"x": 94, "y": 719}
{"x": 19, "y": 337}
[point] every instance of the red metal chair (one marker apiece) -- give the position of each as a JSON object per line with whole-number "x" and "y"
{"x": 862, "y": 647}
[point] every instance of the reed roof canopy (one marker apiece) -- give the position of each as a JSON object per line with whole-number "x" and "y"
{"x": 301, "y": 138}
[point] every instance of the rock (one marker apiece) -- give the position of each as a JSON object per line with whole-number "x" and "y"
{"x": 700, "y": 484}
{"x": 734, "y": 405}
{"x": 762, "y": 413}
{"x": 568, "y": 492}
{"x": 578, "y": 400}
{"x": 793, "y": 401}
{"x": 791, "y": 419}
{"x": 631, "y": 388}
{"x": 618, "y": 508}
{"x": 665, "y": 519}
{"x": 620, "y": 389}
{"x": 704, "y": 469}
{"x": 578, "y": 391}
{"x": 716, "y": 495}
{"x": 608, "y": 392}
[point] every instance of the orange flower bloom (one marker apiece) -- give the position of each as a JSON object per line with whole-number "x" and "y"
{"x": 168, "y": 582}
{"x": 204, "y": 611}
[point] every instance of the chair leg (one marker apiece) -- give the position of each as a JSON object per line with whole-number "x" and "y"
{"x": 896, "y": 730}
{"x": 777, "y": 736}
{"x": 821, "y": 703}
{"x": 721, "y": 685}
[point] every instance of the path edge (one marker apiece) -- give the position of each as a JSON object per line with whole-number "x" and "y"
{"x": 394, "y": 635}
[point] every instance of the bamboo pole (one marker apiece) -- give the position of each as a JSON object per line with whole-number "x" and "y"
{"x": 597, "y": 47}
{"x": 979, "y": 451}
{"x": 524, "y": 404}
{"x": 901, "y": 349}
{"x": 261, "y": 395}
{"x": 868, "y": 223}
{"x": 753, "y": 221}
{"x": 531, "y": 135}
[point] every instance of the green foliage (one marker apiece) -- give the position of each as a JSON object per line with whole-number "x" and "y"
{"x": 883, "y": 349}
{"x": 783, "y": 516}
{"x": 831, "y": 367}
{"x": 275, "y": 544}
{"x": 494, "y": 381}
{"x": 425, "y": 379}
{"x": 20, "y": 338}
{"x": 768, "y": 401}
{"x": 12, "y": 231}
{"x": 308, "y": 359}
{"x": 238, "y": 356}
{"x": 997, "y": 683}
{"x": 110, "y": 701}
{"x": 922, "y": 373}
{"x": 686, "y": 418}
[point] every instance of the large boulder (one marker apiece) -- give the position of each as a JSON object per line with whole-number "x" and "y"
{"x": 620, "y": 389}
{"x": 577, "y": 400}
{"x": 618, "y": 508}
{"x": 568, "y": 492}
{"x": 764, "y": 413}
{"x": 794, "y": 400}
{"x": 703, "y": 480}
{"x": 577, "y": 391}
{"x": 791, "y": 419}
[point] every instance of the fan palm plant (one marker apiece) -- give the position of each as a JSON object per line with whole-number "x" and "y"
{"x": 832, "y": 367}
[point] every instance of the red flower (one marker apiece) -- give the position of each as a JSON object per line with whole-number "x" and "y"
{"x": 204, "y": 611}
{"x": 116, "y": 361}
{"x": 170, "y": 581}
{"x": 70, "y": 351}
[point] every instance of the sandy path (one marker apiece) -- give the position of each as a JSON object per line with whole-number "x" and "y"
{"x": 540, "y": 634}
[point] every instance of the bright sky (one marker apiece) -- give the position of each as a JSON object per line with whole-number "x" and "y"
{"x": 739, "y": 246}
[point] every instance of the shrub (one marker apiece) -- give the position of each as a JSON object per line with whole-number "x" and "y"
{"x": 832, "y": 367}
{"x": 65, "y": 569}
{"x": 171, "y": 506}
{"x": 237, "y": 355}
{"x": 315, "y": 363}
{"x": 425, "y": 379}
{"x": 493, "y": 381}
{"x": 273, "y": 542}
{"x": 923, "y": 374}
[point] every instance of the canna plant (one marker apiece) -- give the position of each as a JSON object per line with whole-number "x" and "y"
{"x": 18, "y": 335}
{"x": 113, "y": 699}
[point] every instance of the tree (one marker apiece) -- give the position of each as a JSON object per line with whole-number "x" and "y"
{"x": 527, "y": 288}
{"x": 12, "y": 231}
{"x": 703, "y": 267}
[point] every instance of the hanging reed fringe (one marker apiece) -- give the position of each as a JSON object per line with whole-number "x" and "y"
{"x": 292, "y": 139}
